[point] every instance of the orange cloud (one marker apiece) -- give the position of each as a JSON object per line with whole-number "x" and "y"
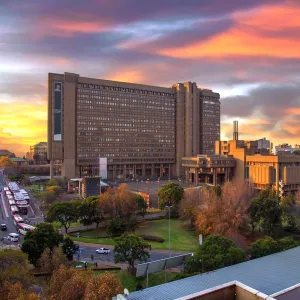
{"x": 247, "y": 38}
{"x": 77, "y": 26}
{"x": 137, "y": 76}
{"x": 293, "y": 110}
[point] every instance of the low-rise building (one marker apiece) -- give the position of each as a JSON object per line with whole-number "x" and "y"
{"x": 6, "y": 153}
{"x": 270, "y": 277}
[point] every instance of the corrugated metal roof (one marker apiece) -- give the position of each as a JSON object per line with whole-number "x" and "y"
{"x": 268, "y": 275}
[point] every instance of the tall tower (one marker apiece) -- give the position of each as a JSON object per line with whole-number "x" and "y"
{"x": 235, "y": 130}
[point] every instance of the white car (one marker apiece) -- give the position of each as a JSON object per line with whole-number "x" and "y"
{"x": 13, "y": 237}
{"x": 103, "y": 251}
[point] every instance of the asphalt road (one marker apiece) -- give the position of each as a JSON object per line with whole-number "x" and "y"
{"x": 87, "y": 251}
{"x": 33, "y": 216}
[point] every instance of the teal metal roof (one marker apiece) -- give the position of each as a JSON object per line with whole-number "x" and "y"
{"x": 269, "y": 274}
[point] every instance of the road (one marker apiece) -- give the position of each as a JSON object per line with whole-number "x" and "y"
{"x": 87, "y": 251}
{"x": 33, "y": 216}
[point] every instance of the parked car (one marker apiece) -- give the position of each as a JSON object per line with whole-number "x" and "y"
{"x": 3, "y": 227}
{"x": 103, "y": 251}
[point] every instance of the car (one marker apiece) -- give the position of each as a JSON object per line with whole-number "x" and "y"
{"x": 103, "y": 251}
{"x": 13, "y": 237}
{"x": 3, "y": 227}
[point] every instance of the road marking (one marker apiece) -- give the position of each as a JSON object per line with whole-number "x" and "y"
{"x": 4, "y": 206}
{"x": 31, "y": 210}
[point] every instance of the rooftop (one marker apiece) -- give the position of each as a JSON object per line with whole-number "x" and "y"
{"x": 268, "y": 275}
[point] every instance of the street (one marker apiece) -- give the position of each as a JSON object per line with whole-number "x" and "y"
{"x": 87, "y": 251}
{"x": 33, "y": 216}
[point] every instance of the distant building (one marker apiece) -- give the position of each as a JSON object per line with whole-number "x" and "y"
{"x": 19, "y": 161}
{"x": 263, "y": 144}
{"x": 6, "y": 153}
{"x": 39, "y": 148}
{"x": 142, "y": 130}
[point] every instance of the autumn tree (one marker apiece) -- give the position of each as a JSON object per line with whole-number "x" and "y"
{"x": 189, "y": 206}
{"x": 9, "y": 291}
{"x": 170, "y": 194}
{"x": 75, "y": 287}
{"x": 6, "y": 162}
{"x": 105, "y": 286}
{"x": 224, "y": 214}
{"x": 14, "y": 267}
{"x": 130, "y": 248}
{"x": 54, "y": 188}
{"x": 52, "y": 260}
{"x": 64, "y": 212}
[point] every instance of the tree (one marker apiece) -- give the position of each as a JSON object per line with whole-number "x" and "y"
{"x": 14, "y": 267}
{"x": 16, "y": 291}
{"x": 52, "y": 182}
{"x": 35, "y": 242}
{"x": 170, "y": 194}
{"x": 224, "y": 213}
{"x": 106, "y": 286}
{"x": 52, "y": 260}
{"x": 189, "y": 206}
{"x": 69, "y": 248}
{"x": 6, "y": 162}
{"x": 216, "y": 252}
{"x": 130, "y": 248}
{"x": 263, "y": 247}
{"x": 45, "y": 198}
{"x": 91, "y": 211}
{"x": 64, "y": 212}
{"x": 36, "y": 158}
{"x": 116, "y": 227}
{"x": 142, "y": 205}
{"x": 271, "y": 213}
{"x": 54, "y": 188}
{"x": 255, "y": 212}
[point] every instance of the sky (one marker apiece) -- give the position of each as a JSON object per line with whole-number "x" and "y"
{"x": 248, "y": 51}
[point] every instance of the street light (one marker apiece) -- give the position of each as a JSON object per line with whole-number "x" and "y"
{"x": 169, "y": 207}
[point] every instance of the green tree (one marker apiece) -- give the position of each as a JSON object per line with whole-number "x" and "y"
{"x": 52, "y": 182}
{"x": 170, "y": 194}
{"x": 64, "y": 212}
{"x": 216, "y": 252}
{"x": 116, "y": 227}
{"x": 255, "y": 212}
{"x": 69, "y": 248}
{"x": 142, "y": 205}
{"x": 91, "y": 211}
{"x": 263, "y": 247}
{"x": 130, "y": 248}
{"x": 35, "y": 242}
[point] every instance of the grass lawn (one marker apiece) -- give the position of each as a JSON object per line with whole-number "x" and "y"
{"x": 181, "y": 239}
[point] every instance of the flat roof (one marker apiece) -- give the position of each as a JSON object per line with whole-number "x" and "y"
{"x": 269, "y": 275}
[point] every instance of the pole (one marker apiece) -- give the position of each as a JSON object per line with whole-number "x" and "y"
{"x": 169, "y": 234}
{"x": 99, "y": 176}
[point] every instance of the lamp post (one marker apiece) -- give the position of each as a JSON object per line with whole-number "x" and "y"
{"x": 169, "y": 207}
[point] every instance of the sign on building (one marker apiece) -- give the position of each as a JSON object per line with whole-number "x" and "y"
{"x": 57, "y": 110}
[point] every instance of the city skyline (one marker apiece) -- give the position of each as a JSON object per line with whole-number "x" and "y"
{"x": 245, "y": 51}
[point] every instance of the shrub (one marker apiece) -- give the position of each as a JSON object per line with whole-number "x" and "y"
{"x": 152, "y": 238}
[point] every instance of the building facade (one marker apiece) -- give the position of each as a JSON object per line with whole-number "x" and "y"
{"x": 143, "y": 131}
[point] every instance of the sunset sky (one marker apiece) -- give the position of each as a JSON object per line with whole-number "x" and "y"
{"x": 247, "y": 50}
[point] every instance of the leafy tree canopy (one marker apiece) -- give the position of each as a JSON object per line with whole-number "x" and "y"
{"x": 216, "y": 252}
{"x": 130, "y": 248}
{"x": 35, "y": 242}
{"x": 170, "y": 194}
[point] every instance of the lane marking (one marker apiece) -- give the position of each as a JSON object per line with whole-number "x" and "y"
{"x": 32, "y": 210}
{"x": 4, "y": 206}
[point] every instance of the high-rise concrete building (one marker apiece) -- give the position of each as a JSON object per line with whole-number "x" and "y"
{"x": 143, "y": 131}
